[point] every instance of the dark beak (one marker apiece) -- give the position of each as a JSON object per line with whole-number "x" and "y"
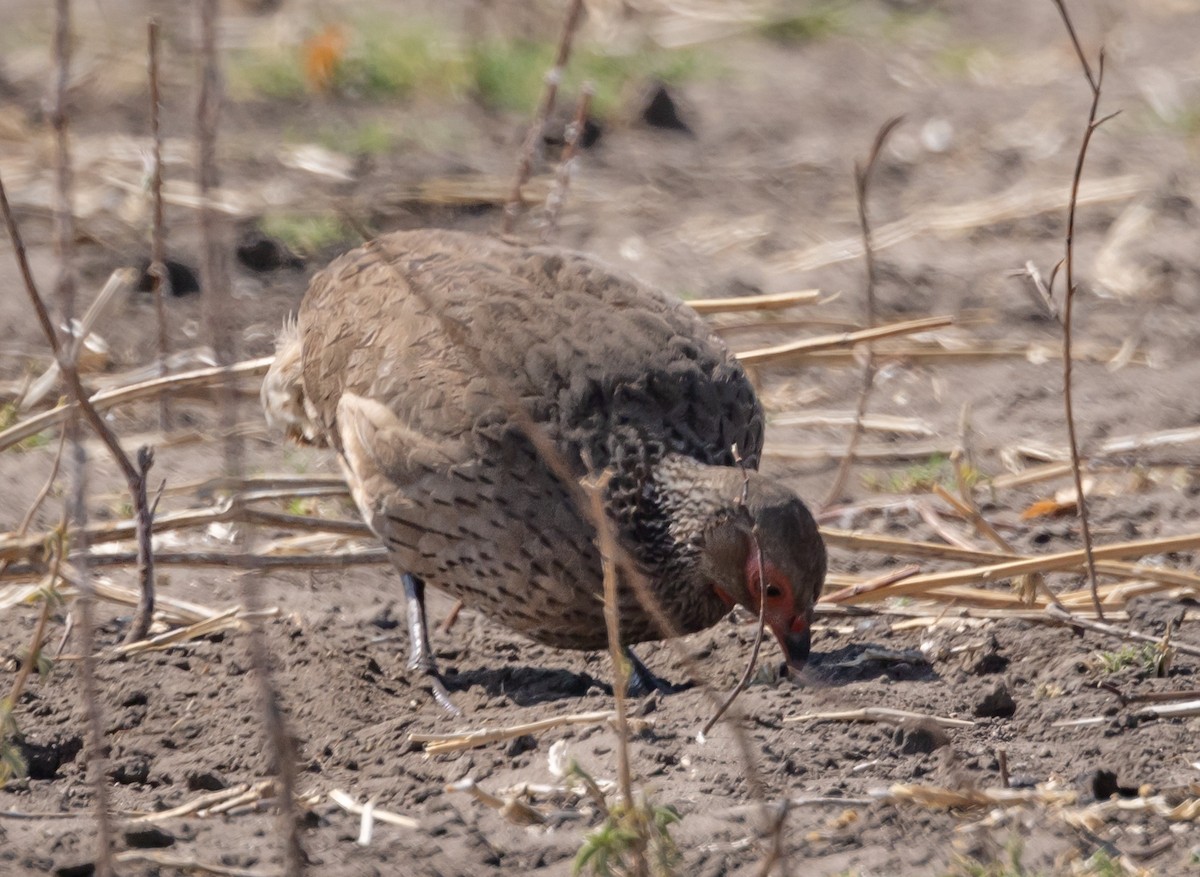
{"x": 796, "y": 645}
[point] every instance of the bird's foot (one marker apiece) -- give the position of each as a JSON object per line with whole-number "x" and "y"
{"x": 642, "y": 681}
{"x": 437, "y": 686}
{"x": 420, "y": 655}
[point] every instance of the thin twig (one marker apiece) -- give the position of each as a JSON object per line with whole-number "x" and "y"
{"x": 748, "y": 673}
{"x": 607, "y": 543}
{"x": 1094, "y": 82}
{"x": 1111, "y": 630}
{"x": 215, "y": 281}
{"x": 566, "y": 164}
{"x": 23, "y": 527}
{"x": 158, "y": 268}
{"x": 39, "y": 631}
{"x": 862, "y": 182}
{"x": 775, "y": 301}
{"x": 145, "y": 526}
{"x": 77, "y": 502}
{"x": 796, "y": 349}
{"x": 66, "y": 363}
{"x": 533, "y": 139}
{"x": 105, "y": 399}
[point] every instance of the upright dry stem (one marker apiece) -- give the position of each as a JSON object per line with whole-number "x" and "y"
{"x": 612, "y": 620}
{"x": 862, "y": 181}
{"x": 566, "y": 165}
{"x": 76, "y": 503}
{"x": 81, "y": 404}
{"x": 533, "y": 139}
{"x": 215, "y": 282}
{"x": 1094, "y": 83}
{"x": 158, "y": 267}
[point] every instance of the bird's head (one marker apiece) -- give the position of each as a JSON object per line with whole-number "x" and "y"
{"x": 769, "y": 553}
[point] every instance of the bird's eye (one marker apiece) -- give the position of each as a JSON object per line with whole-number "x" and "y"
{"x": 773, "y": 591}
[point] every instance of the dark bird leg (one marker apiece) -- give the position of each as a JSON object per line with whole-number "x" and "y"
{"x": 420, "y": 655}
{"x": 642, "y": 680}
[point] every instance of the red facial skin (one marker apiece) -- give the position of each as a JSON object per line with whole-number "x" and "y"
{"x": 779, "y": 612}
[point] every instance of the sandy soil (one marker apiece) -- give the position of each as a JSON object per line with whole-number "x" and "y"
{"x": 761, "y": 198}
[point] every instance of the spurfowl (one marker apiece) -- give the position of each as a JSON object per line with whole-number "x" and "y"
{"x": 411, "y": 357}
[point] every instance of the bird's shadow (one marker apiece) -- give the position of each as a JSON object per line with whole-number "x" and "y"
{"x": 860, "y": 661}
{"x": 527, "y": 686}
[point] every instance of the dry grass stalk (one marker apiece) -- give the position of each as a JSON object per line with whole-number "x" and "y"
{"x": 1003, "y": 569}
{"x": 185, "y": 865}
{"x": 862, "y": 180}
{"x": 65, "y": 357}
{"x": 158, "y": 267}
{"x": 874, "y": 422}
{"x": 260, "y": 791}
{"x": 758, "y": 303}
{"x": 229, "y": 510}
{"x": 229, "y": 619}
{"x": 1100, "y": 815}
{"x": 77, "y": 501}
{"x": 250, "y": 485}
{"x": 1094, "y": 81}
{"x": 1115, "y": 446}
{"x": 955, "y": 219}
{"x": 967, "y": 507}
{"x": 938, "y": 798}
{"x": 794, "y": 350}
{"x": 205, "y": 377}
{"x": 607, "y": 543}
{"x": 930, "y": 583}
{"x": 436, "y": 743}
{"x": 33, "y": 656}
{"x": 1033, "y": 475}
{"x": 120, "y": 280}
{"x": 1170, "y": 710}
{"x": 1109, "y": 630}
{"x": 978, "y": 351}
{"x": 878, "y": 453}
{"x": 241, "y": 560}
{"x": 201, "y": 804}
{"x": 875, "y": 583}
{"x": 348, "y": 804}
{"x": 219, "y": 310}
{"x": 513, "y": 809}
{"x": 533, "y": 139}
{"x": 566, "y": 164}
{"x": 879, "y": 714}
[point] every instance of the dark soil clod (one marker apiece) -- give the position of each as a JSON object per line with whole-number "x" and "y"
{"x": 149, "y": 837}
{"x": 135, "y": 698}
{"x": 205, "y": 781}
{"x": 920, "y": 737}
{"x": 996, "y": 704}
{"x": 44, "y": 759}
{"x": 133, "y": 770}
{"x": 1105, "y": 786}
{"x": 83, "y": 869}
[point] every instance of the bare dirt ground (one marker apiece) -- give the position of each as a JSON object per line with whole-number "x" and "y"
{"x": 760, "y": 197}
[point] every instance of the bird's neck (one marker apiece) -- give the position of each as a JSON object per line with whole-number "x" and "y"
{"x": 693, "y": 498}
